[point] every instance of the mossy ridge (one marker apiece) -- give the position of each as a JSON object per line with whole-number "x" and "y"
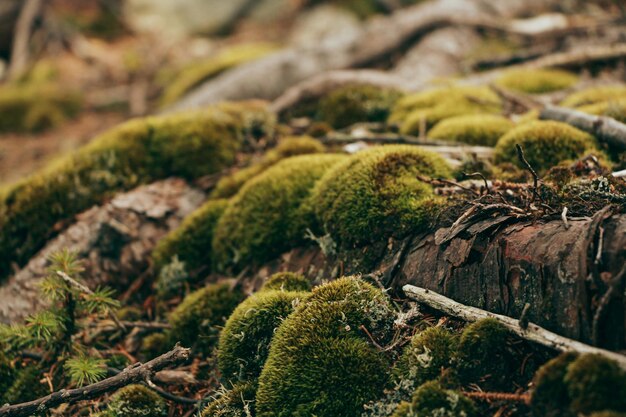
{"x": 196, "y": 73}
{"x": 287, "y": 281}
{"x": 136, "y": 401}
{"x": 357, "y": 103}
{"x": 320, "y": 362}
{"x": 235, "y": 402}
{"x": 474, "y": 129}
{"x": 287, "y": 147}
{"x": 375, "y": 194}
{"x": 139, "y": 151}
{"x": 264, "y": 219}
{"x": 595, "y": 95}
{"x": 545, "y": 144}
{"x": 245, "y": 340}
{"x": 536, "y": 81}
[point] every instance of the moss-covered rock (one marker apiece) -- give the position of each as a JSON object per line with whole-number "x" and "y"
{"x": 229, "y": 185}
{"x": 287, "y": 281}
{"x": 375, "y": 194}
{"x": 595, "y": 95}
{"x": 483, "y": 356}
{"x": 244, "y": 343}
{"x": 474, "y": 129}
{"x": 264, "y": 219}
{"x": 189, "y": 145}
{"x": 550, "y": 397}
{"x": 196, "y": 73}
{"x": 321, "y": 362}
{"x": 191, "y": 241}
{"x": 536, "y": 81}
{"x": 136, "y": 401}
{"x": 545, "y": 144}
{"x": 429, "y": 353}
{"x": 197, "y": 320}
{"x": 431, "y": 399}
{"x": 595, "y": 383}
{"x": 429, "y": 107}
{"x": 235, "y": 402}
{"x": 35, "y": 106}
{"x": 357, "y": 104}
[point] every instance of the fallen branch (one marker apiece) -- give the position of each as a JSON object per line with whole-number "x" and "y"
{"x": 606, "y": 129}
{"x": 137, "y": 373}
{"x": 532, "y": 333}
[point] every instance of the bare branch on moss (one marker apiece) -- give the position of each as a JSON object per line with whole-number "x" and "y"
{"x": 532, "y": 333}
{"x": 605, "y": 128}
{"x": 133, "y": 374}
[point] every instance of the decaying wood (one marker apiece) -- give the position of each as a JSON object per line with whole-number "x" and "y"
{"x": 531, "y": 332}
{"x": 115, "y": 240}
{"x": 605, "y": 128}
{"x": 133, "y": 374}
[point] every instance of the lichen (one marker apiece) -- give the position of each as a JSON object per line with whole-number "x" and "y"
{"x": 536, "y": 81}
{"x": 595, "y": 95}
{"x": 545, "y": 144}
{"x": 475, "y": 129}
{"x": 321, "y": 361}
{"x": 136, "y": 401}
{"x": 287, "y": 281}
{"x": 263, "y": 219}
{"x": 550, "y": 397}
{"x": 375, "y": 194}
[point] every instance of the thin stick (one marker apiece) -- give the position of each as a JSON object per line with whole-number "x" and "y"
{"x": 478, "y": 174}
{"x": 522, "y": 158}
{"x": 533, "y": 332}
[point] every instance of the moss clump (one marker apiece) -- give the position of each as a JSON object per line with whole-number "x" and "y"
{"x": 431, "y": 106}
{"x": 550, "y": 397}
{"x": 196, "y": 321}
{"x": 431, "y": 399}
{"x": 245, "y": 341}
{"x": 290, "y": 146}
{"x": 191, "y": 241}
{"x": 263, "y": 220}
{"x": 35, "y": 106}
{"x": 236, "y": 402}
{"x": 196, "y": 73}
{"x": 287, "y": 281}
{"x": 357, "y": 103}
{"x": 475, "y": 129}
{"x": 320, "y": 361}
{"x": 614, "y": 108}
{"x": 26, "y": 386}
{"x": 607, "y": 414}
{"x": 595, "y": 95}
{"x": 7, "y": 374}
{"x": 376, "y": 194}
{"x": 137, "y": 401}
{"x": 429, "y": 354}
{"x": 595, "y": 383}
{"x": 536, "y": 81}
{"x": 189, "y": 145}
{"x": 155, "y": 344}
{"x": 545, "y": 144}
{"x": 482, "y": 354}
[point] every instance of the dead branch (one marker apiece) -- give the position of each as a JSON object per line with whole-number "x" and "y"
{"x": 532, "y": 333}
{"x": 520, "y": 156}
{"x": 21, "y": 40}
{"x": 605, "y": 128}
{"x": 136, "y": 373}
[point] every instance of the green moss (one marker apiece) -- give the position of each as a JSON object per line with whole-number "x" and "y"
{"x": 545, "y": 144}
{"x": 595, "y": 383}
{"x": 431, "y": 399}
{"x": 320, "y": 361}
{"x": 595, "y": 95}
{"x": 198, "y": 72}
{"x": 290, "y": 146}
{"x": 429, "y": 354}
{"x": 375, "y": 194}
{"x": 197, "y": 320}
{"x": 607, "y": 414}
{"x": 245, "y": 341}
{"x": 550, "y": 397}
{"x": 536, "y": 81}
{"x": 137, "y": 401}
{"x": 429, "y": 107}
{"x": 7, "y": 375}
{"x": 613, "y": 108}
{"x": 191, "y": 144}
{"x": 236, "y": 402}
{"x": 287, "y": 281}
{"x": 35, "y": 106}
{"x": 404, "y": 409}
{"x": 191, "y": 241}
{"x": 155, "y": 344}
{"x": 26, "y": 386}
{"x": 357, "y": 104}
{"x": 475, "y": 129}
{"x": 483, "y": 356}
{"x": 263, "y": 220}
